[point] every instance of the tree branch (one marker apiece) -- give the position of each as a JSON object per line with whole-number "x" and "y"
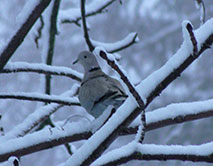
{"x": 19, "y": 36}
{"x": 136, "y": 151}
{"x": 41, "y": 98}
{"x": 66, "y": 137}
{"x": 51, "y": 42}
{"x": 50, "y": 138}
{"x": 42, "y": 69}
{"x": 129, "y": 40}
{"x": 35, "y": 118}
{"x": 84, "y": 23}
{"x": 95, "y": 9}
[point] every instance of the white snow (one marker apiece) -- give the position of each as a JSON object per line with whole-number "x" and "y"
{"x": 35, "y": 117}
{"x": 203, "y": 32}
{"x": 174, "y": 110}
{"x": 139, "y": 132}
{"x": 10, "y": 161}
{"x": 152, "y": 149}
{"x": 201, "y": 150}
{"x": 45, "y": 135}
{"x": 39, "y": 66}
{"x": 109, "y": 47}
{"x": 186, "y": 35}
{"x": 116, "y": 154}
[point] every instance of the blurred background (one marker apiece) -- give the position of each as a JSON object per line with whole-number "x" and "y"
{"x": 158, "y": 24}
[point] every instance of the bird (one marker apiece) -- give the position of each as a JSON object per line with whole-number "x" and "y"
{"x": 98, "y": 90}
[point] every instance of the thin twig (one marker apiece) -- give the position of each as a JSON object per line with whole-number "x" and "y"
{"x": 88, "y": 14}
{"x": 129, "y": 40}
{"x": 127, "y": 45}
{"x": 86, "y": 34}
{"x": 39, "y": 31}
{"x": 193, "y": 39}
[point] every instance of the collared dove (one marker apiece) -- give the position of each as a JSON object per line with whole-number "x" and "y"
{"x": 98, "y": 90}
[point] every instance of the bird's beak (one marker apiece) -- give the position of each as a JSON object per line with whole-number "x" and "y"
{"x": 76, "y": 61}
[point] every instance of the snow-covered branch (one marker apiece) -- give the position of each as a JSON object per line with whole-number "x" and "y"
{"x": 43, "y": 139}
{"x": 40, "y": 97}
{"x": 34, "y": 11}
{"x": 74, "y": 15}
{"x": 150, "y": 88}
{"x": 179, "y": 62}
{"x": 137, "y": 151}
{"x": 36, "y": 117}
{"x": 42, "y": 68}
{"x": 132, "y": 38}
{"x": 172, "y": 114}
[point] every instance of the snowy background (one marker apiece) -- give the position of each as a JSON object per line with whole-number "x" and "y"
{"x": 158, "y": 24}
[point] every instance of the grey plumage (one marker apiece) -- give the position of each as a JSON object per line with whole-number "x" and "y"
{"x": 98, "y": 90}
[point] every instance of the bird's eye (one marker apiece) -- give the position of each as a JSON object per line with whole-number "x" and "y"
{"x": 85, "y": 57}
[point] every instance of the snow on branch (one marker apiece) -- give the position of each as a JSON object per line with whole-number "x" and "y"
{"x": 42, "y": 139}
{"x": 111, "y": 47}
{"x": 41, "y": 97}
{"x": 41, "y": 68}
{"x": 36, "y": 117}
{"x": 35, "y": 9}
{"x": 137, "y": 151}
{"x": 12, "y": 161}
{"x": 74, "y": 15}
{"x": 150, "y": 88}
{"x": 172, "y": 114}
{"x": 132, "y": 38}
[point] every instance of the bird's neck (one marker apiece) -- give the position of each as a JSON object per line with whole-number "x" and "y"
{"x": 94, "y": 68}
{"x": 93, "y": 72}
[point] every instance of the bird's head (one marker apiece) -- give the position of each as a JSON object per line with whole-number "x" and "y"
{"x": 87, "y": 60}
